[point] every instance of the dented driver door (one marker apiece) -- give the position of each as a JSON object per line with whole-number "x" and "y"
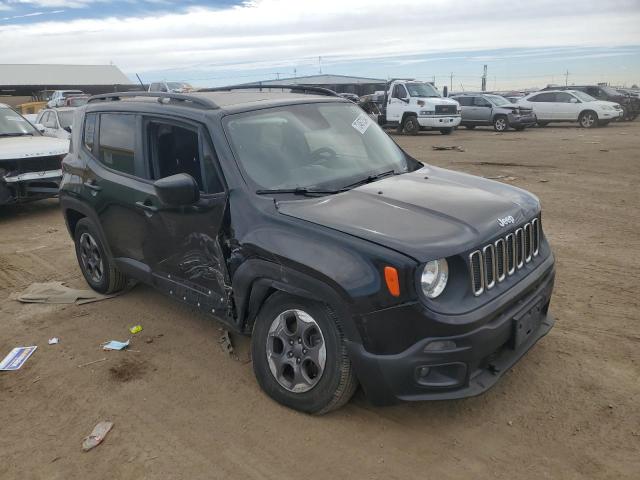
{"x": 184, "y": 246}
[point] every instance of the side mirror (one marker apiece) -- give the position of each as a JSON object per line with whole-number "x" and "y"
{"x": 177, "y": 190}
{"x": 68, "y": 129}
{"x": 39, "y": 127}
{"x": 405, "y": 100}
{"x": 574, "y": 100}
{"x": 445, "y": 91}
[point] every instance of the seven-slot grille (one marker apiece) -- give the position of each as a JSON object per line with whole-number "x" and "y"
{"x": 493, "y": 263}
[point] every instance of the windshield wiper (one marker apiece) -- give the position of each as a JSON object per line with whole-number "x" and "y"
{"x": 309, "y": 192}
{"x": 370, "y": 179}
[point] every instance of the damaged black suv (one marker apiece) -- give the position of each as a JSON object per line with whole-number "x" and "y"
{"x": 292, "y": 217}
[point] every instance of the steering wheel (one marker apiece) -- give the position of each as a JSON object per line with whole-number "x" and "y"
{"x": 323, "y": 154}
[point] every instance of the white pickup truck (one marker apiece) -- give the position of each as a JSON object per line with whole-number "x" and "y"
{"x": 411, "y": 106}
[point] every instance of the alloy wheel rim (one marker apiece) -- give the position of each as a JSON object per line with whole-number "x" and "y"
{"x": 587, "y": 120}
{"x": 500, "y": 124}
{"x": 91, "y": 258}
{"x": 296, "y": 351}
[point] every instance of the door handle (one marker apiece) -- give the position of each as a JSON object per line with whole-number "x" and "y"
{"x": 147, "y": 207}
{"x": 91, "y": 185}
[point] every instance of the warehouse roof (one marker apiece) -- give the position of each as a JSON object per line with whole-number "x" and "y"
{"x": 321, "y": 80}
{"x": 49, "y": 75}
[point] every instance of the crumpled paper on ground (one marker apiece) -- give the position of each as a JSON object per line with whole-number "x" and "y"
{"x": 97, "y": 436}
{"x": 58, "y": 293}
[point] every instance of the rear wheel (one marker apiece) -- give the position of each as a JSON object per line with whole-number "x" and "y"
{"x": 96, "y": 266}
{"x": 410, "y": 125}
{"x": 588, "y": 119}
{"x": 500, "y": 123}
{"x": 470, "y": 127}
{"x": 446, "y": 131}
{"x": 300, "y": 355}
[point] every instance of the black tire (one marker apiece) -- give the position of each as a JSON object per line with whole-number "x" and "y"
{"x": 336, "y": 381}
{"x": 446, "y": 131}
{"x": 87, "y": 241}
{"x": 501, "y": 123}
{"x": 469, "y": 127}
{"x": 588, "y": 119}
{"x": 410, "y": 125}
{"x": 543, "y": 124}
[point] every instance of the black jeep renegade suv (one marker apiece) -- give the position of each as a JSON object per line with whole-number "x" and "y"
{"x": 294, "y": 218}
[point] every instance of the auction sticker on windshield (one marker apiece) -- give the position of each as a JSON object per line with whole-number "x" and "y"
{"x": 361, "y": 123}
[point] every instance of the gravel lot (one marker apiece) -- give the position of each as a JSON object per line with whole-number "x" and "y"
{"x": 183, "y": 409}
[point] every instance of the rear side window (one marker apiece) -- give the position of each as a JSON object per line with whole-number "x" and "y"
{"x": 116, "y": 148}
{"x": 562, "y": 97}
{"x": 544, "y": 97}
{"x": 464, "y": 101}
{"x": 88, "y": 134}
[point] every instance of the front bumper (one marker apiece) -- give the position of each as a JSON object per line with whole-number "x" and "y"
{"x": 439, "y": 121}
{"x": 29, "y": 186}
{"x": 478, "y": 360}
{"x": 522, "y": 120}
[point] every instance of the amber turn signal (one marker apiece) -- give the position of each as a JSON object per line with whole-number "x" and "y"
{"x": 393, "y": 284}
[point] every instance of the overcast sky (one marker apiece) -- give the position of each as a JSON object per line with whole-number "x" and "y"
{"x": 524, "y": 43}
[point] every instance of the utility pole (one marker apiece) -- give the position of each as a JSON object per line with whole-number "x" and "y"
{"x": 320, "y": 65}
{"x": 484, "y": 79}
{"x": 451, "y": 83}
{"x": 566, "y": 79}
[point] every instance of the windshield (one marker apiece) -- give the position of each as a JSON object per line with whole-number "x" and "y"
{"x": 65, "y": 118}
{"x": 421, "y": 90}
{"x": 13, "y": 124}
{"x": 318, "y": 145}
{"x": 498, "y": 100}
{"x": 583, "y": 96}
{"x": 610, "y": 91}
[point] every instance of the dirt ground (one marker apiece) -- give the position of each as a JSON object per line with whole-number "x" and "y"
{"x": 183, "y": 409}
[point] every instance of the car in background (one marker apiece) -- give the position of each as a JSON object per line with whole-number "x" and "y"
{"x": 77, "y": 101}
{"x": 630, "y": 104}
{"x": 30, "y": 163}
{"x": 571, "y": 106}
{"x": 56, "y": 122}
{"x": 171, "y": 87}
{"x": 481, "y": 109}
{"x": 59, "y": 97}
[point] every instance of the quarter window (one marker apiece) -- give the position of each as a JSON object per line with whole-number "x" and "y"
{"x": 89, "y": 131}
{"x": 543, "y": 97}
{"x": 480, "y": 102}
{"x": 116, "y": 148}
{"x": 562, "y": 97}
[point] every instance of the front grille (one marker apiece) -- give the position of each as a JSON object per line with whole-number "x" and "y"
{"x": 446, "y": 109}
{"x": 493, "y": 263}
{"x": 33, "y": 164}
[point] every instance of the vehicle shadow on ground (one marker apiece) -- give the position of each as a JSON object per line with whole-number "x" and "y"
{"x": 42, "y": 207}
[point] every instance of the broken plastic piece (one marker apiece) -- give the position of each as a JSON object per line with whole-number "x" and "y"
{"x": 97, "y": 436}
{"x": 54, "y": 341}
{"x": 136, "y": 329}
{"x": 115, "y": 345}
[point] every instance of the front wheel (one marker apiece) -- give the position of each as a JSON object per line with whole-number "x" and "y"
{"x": 588, "y": 119}
{"x": 470, "y": 127}
{"x": 98, "y": 269}
{"x": 410, "y": 125}
{"x": 300, "y": 356}
{"x": 500, "y": 123}
{"x": 446, "y": 131}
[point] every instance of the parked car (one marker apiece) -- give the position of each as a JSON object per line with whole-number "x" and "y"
{"x": 59, "y": 97}
{"x": 630, "y": 104}
{"x": 479, "y": 109}
{"x": 570, "y": 106}
{"x": 56, "y": 122}
{"x": 77, "y": 101}
{"x": 295, "y": 219}
{"x": 29, "y": 162}
{"x": 412, "y": 106}
{"x": 170, "y": 87}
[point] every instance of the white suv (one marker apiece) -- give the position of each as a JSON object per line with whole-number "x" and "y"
{"x": 59, "y": 97}
{"x": 571, "y": 106}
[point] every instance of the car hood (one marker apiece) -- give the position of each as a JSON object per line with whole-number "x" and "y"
{"x": 435, "y": 100}
{"x": 15, "y": 148}
{"x": 427, "y": 214}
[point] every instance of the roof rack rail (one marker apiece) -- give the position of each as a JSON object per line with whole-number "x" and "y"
{"x": 115, "y": 96}
{"x": 298, "y": 88}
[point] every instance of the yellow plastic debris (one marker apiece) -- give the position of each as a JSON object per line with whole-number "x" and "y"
{"x": 136, "y": 329}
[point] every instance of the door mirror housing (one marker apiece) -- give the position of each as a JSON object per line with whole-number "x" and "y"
{"x": 177, "y": 190}
{"x": 39, "y": 127}
{"x": 574, "y": 100}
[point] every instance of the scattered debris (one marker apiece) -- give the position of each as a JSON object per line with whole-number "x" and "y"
{"x": 604, "y": 150}
{"x": 136, "y": 329}
{"x": 543, "y": 180}
{"x": 457, "y": 148}
{"x": 58, "y": 293}
{"x": 97, "y": 436}
{"x": 149, "y": 339}
{"x": 610, "y": 405}
{"x": 510, "y": 423}
{"x": 225, "y": 343}
{"x": 91, "y": 363}
{"x": 52, "y": 230}
{"x": 16, "y": 358}
{"x": 594, "y": 143}
{"x": 497, "y": 177}
{"x": 115, "y": 345}
{"x": 54, "y": 341}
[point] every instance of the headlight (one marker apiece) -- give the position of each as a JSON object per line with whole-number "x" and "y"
{"x": 427, "y": 112}
{"x": 434, "y": 278}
